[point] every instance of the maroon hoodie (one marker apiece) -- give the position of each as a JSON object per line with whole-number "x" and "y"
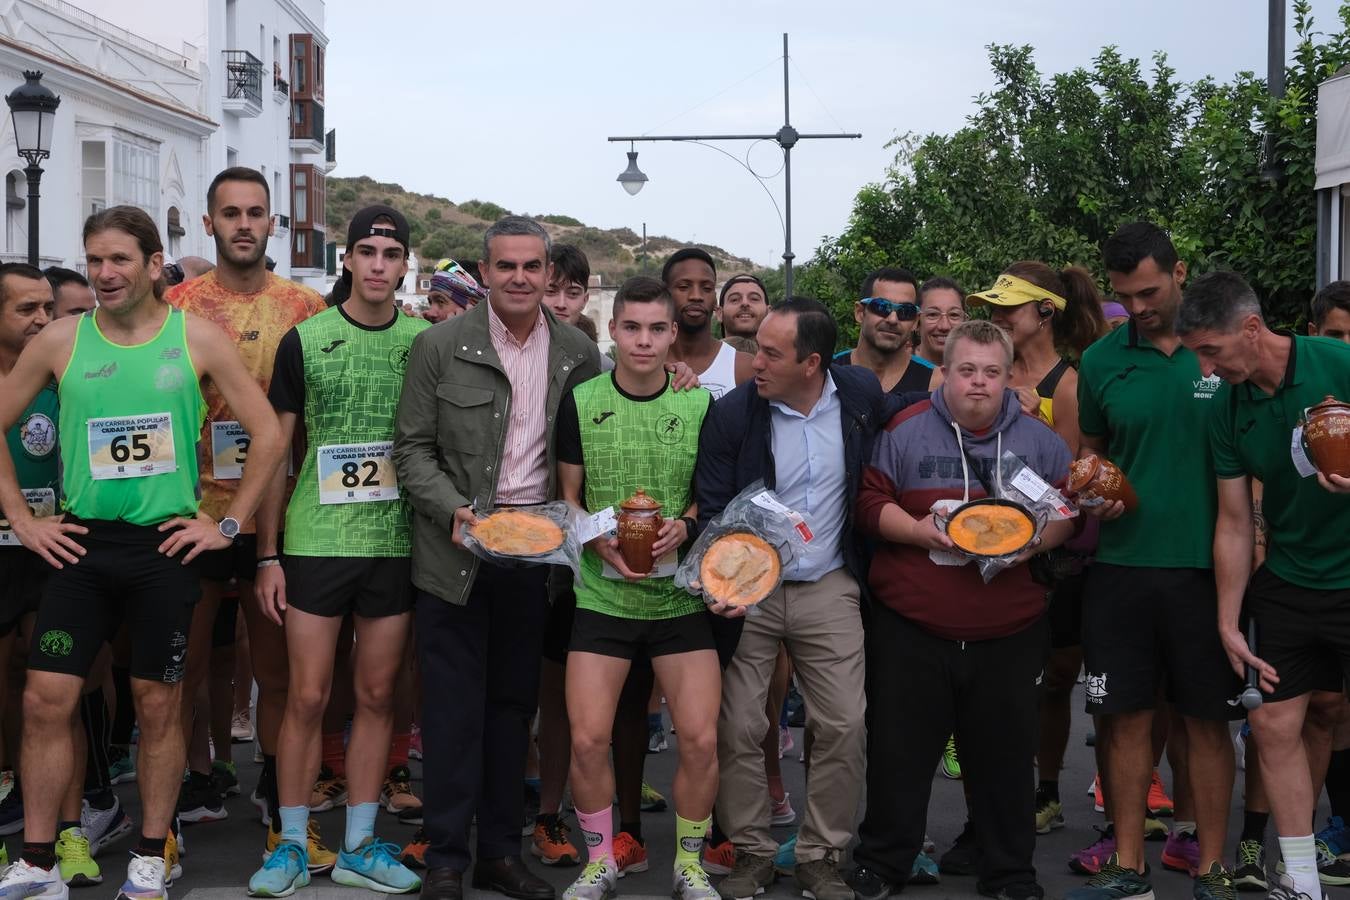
{"x": 916, "y": 462}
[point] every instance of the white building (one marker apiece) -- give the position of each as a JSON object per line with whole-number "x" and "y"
{"x": 157, "y": 96}
{"x": 1333, "y": 178}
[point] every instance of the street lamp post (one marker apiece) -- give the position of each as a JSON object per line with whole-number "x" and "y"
{"x": 633, "y": 178}
{"x": 33, "y": 108}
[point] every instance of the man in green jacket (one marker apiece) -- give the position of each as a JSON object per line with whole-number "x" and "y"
{"x": 475, "y": 430}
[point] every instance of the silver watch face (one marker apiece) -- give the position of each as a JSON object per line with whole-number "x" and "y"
{"x": 229, "y": 528}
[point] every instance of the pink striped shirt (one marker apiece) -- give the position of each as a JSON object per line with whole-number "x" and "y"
{"x": 523, "y": 477}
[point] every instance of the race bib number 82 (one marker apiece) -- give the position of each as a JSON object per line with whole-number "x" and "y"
{"x": 357, "y": 473}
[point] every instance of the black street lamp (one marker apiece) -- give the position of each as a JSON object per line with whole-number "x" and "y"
{"x": 33, "y": 107}
{"x": 633, "y": 178}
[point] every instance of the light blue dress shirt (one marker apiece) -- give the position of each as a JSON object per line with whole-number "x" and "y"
{"x": 808, "y": 455}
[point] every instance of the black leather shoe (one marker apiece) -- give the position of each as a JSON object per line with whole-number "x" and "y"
{"x": 509, "y": 876}
{"x": 443, "y": 884}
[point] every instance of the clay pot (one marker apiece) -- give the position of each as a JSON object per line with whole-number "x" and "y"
{"x": 639, "y": 522}
{"x": 1096, "y": 477}
{"x": 1326, "y": 431}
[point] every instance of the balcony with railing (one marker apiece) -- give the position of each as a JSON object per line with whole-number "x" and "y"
{"x": 307, "y": 134}
{"x": 330, "y": 150}
{"x": 243, "y": 83}
{"x": 281, "y": 88}
{"x": 307, "y": 252}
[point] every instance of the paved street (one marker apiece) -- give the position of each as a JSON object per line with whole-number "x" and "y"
{"x": 221, "y": 855}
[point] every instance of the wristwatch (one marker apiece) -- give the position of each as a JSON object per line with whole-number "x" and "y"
{"x": 229, "y": 528}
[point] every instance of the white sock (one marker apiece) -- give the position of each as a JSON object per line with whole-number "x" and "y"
{"x": 1300, "y": 864}
{"x": 1180, "y": 826}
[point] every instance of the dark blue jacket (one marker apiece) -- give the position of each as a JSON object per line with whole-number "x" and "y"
{"x": 736, "y": 448}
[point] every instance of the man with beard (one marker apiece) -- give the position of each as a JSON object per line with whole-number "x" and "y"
{"x": 887, "y": 315}
{"x": 255, "y": 308}
{"x": 742, "y": 305}
{"x": 691, "y": 276}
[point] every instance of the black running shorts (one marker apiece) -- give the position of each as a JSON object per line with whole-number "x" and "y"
{"x": 237, "y": 562}
{"x": 594, "y": 632}
{"x": 558, "y": 627}
{"x": 1303, "y": 632}
{"x": 367, "y": 586}
{"x": 121, "y": 579}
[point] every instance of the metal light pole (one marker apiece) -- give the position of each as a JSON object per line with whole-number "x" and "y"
{"x": 33, "y": 108}
{"x": 1272, "y": 169}
{"x": 786, "y": 137}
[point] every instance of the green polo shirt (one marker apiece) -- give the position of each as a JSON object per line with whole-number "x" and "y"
{"x": 1252, "y": 434}
{"x": 1153, "y": 411}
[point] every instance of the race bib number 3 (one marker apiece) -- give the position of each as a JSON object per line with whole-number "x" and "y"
{"x": 229, "y": 450}
{"x": 357, "y": 473}
{"x": 42, "y": 502}
{"x": 131, "y": 447}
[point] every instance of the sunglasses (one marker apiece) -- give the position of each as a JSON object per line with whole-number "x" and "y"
{"x": 905, "y": 312}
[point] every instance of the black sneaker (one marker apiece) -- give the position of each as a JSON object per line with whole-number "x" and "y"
{"x": 224, "y": 779}
{"x": 1021, "y": 890}
{"x": 869, "y": 885}
{"x": 11, "y": 812}
{"x": 964, "y": 856}
{"x": 198, "y": 800}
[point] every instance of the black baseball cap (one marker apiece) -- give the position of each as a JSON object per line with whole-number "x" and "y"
{"x": 364, "y": 225}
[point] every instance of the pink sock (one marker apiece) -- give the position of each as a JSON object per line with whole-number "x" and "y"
{"x": 598, "y": 829}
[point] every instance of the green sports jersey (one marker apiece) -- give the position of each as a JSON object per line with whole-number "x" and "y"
{"x": 627, "y": 443}
{"x": 1153, "y": 411}
{"x": 345, "y": 379}
{"x": 33, "y": 446}
{"x": 129, "y": 421}
{"x": 1253, "y": 434}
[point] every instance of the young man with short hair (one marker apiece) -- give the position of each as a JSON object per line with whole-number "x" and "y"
{"x": 887, "y": 315}
{"x": 1299, "y": 599}
{"x": 128, "y": 381}
{"x": 1330, "y": 313}
{"x": 346, "y": 551}
{"x": 691, "y": 277}
{"x": 741, "y": 306}
{"x": 72, "y": 292}
{"x": 647, "y": 435}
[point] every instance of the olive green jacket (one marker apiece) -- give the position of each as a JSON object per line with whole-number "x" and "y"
{"x": 450, "y": 434}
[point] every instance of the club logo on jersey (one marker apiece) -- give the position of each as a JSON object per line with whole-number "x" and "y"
{"x": 56, "y": 643}
{"x": 105, "y": 371}
{"x": 1204, "y": 388}
{"x": 398, "y": 359}
{"x": 171, "y": 353}
{"x": 333, "y": 346}
{"x": 38, "y": 436}
{"x": 1095, "y": 685}
{"x": 169, "y": 379}
{"x": 600, "y": 419}
{"x": 669, "y": 429}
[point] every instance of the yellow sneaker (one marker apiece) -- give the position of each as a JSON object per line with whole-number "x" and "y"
{"x": 321, "y": 859}
{"x": 172, "y": 867}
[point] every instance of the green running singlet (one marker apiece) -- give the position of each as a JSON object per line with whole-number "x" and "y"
{"x": 129, "y": 420}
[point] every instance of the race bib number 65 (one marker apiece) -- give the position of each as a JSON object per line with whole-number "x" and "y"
{"x": 357, "y": 473}
{"x": 131, "y": 446}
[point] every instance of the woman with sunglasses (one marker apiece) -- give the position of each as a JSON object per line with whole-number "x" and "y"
{"x": 887, "y": 315}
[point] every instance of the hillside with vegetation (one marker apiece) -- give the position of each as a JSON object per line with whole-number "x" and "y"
{"x": 442, "y": 228}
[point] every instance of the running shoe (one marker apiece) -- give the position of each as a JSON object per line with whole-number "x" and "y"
{"x": 719, "y": 859}
{"x": 820, "y": 879}
{"x": 73, "y": 859}
{"x": 11, "y": 813}
{"x": 1250, "y": 874}
{"x": 260, "y": 802}
{"x": 1216, "y": 884}
{"x": 284, "y": 871}
{"x": 121, "y": 766}
{"x": 652, "y": 799}
{"x": 691, "y": 883}
{"x": 224, "y": 778}
{"x": 1330, "y": 869}
{"x": 964, "y": 856}
{"x": 414, "y": 854}
{"x": 1159, "y": 804}
{"x": 951, "y": 765}
{"x": 1155, "y": 829}
{"x": 1049, "y": 816}
{"x": 1098, "y": 804}
{"x": 1181, "y": 853}
{"x": 1113, "y": 882}
{"x": 629, "y": 854}
{"x": 1283, "y": 890}
{"x": 330, "y": 791}
{"x": 6, "y": 783}
{"x": 869, "y": 885}
{"x": 656, "y": 740}
{"x": 781, "y": 811}
{"x": 198, "y": 800}
{"x": 147, "y": 879}
{"x": 1336, "y": 836}
{"x": 551, "y": 845}
{"x": 103, "y": 826}
{"x": 785, "y": 742}
{"x": 598, "y": 881}
{"x": 1091, "y": 858}
{"x": 531, "y": 809}
{"x": 4, "y": 856}
{"x": 415, "y": 744}
{"x": 23, "y": 881}
{"x": 785, "y": 860}
{"x": 375, "y": 866}
{"x": 924, "y": 870}
{"x": 397, "y": 795}
{"x": 241, "y": 727}
{"x": 173, "y": 855}
{"x": 318, "y": 857}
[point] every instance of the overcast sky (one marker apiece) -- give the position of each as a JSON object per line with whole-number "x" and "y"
{"x": 512, "y": 102}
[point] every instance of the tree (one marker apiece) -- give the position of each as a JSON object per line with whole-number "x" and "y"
{"x": 1048, "y": 168}
{"x": 434, "y": 214}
